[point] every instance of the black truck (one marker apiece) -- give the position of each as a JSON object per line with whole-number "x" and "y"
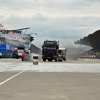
{"x": 50, "y": 50}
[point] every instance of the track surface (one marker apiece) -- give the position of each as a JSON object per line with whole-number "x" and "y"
{"x": 70, "y": 80}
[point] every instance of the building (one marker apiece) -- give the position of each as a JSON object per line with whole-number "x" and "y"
{"x": 15, "y": 38}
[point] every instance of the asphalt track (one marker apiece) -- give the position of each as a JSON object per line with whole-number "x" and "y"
{"x": 70, "y": 80}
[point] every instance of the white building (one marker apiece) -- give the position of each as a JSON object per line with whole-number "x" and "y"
{"x": 14, "y": 37}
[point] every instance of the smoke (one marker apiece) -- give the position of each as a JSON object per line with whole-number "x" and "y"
{"x": 73, "y": 51}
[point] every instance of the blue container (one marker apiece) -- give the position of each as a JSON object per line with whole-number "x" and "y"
{"x": 6, "y": 50}
{"x": 3, "y": 49}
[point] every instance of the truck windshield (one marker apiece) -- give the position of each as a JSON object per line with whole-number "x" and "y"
{"x": 49, "y": 47}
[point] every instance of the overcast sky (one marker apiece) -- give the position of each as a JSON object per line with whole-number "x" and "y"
{"x": 62, "y": 20}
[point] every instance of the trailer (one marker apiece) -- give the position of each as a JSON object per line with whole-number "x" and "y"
{"x": 63, "y": 53}
{"x": 60, "y": 55}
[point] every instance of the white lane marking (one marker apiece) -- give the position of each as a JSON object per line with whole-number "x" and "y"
{"x": 14, "y": 76}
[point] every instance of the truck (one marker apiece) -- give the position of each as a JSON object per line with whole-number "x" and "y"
{"x": 17, "y": 52}
{"x": 20, "y": 50}
{"x": 50, "y": 50}
{"x": 63, "y": 53}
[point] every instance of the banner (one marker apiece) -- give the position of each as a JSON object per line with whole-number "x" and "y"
{"x": 15, "y": 36}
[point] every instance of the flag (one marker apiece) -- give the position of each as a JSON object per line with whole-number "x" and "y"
{"x": 4, "y": 30}
{"x": 1, "y": 25}
{"x": 10, "y": 32}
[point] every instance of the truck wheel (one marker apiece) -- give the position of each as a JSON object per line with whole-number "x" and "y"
{"x": 44, "y": 59}
{"x": 64, "y": 59}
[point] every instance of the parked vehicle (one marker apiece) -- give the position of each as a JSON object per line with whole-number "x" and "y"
{"x": 20, "y": 50}
{"x": 15, "y": 53}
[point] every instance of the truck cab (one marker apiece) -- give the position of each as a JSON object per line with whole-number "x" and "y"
{"x": 50, "y": 50}
{"x": 20, "y": 50}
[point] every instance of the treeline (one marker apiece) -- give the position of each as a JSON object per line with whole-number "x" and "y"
{"x": 92, "y": 40}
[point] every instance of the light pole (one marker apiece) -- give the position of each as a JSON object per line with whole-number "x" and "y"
{"x": 31, "y": 38}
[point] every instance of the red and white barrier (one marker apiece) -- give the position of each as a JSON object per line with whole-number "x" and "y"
{"x": 35, "y": 60}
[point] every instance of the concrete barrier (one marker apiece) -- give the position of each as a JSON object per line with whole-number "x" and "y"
{"x": 35, "y": 60}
